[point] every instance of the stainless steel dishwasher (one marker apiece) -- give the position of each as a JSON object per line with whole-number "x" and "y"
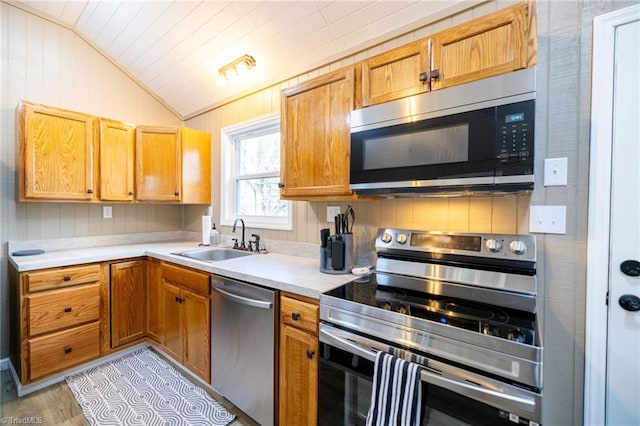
{"x": 243, "y": 334}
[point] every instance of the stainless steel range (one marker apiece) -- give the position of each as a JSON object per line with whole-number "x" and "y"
{"x": 463, "y": 306}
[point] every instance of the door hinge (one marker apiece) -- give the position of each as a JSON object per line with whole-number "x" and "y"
{"x": 606, "y": 301}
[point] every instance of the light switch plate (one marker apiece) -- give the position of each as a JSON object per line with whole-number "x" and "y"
{"x": 332, "y": 211}
{"x": 548, "y": 219}
{"x": 107, "y": 212}
{"x": 555, "y": 171}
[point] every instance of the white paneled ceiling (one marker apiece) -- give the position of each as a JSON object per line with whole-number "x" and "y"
{"x": 174, "y": 48}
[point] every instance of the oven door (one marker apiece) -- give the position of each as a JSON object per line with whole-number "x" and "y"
{"x": 451, "y": 396}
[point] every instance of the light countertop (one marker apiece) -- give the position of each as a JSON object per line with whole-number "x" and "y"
{"x": 295, "y": 274}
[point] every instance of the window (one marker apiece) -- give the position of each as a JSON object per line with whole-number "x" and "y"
{"x": 251, "y": 173}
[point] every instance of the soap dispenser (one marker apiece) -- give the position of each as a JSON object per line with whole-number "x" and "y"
{"x": 214, "y": 236}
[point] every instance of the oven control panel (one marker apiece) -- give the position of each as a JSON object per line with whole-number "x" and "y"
{"x": 502, "y": 246}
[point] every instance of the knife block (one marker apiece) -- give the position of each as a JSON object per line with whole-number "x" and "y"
{"x": 337, "y": 257}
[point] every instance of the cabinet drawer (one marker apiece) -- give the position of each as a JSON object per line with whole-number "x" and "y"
{"x": 62, "y": 350}
{"x": 299, "y": 314}
{"x": 63, "y": 277}
{"x": 196, "y": 281}
{"x": 61, "y": 309}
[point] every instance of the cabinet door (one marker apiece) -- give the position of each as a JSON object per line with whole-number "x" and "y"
{"x": 298, "y": 377}
{"x": 56, "y": 154}
{"x": 158, "y": 163}
{"x": 173, "y": 322}
{"x": 394, "y": 74}
{"x": 490, "y": 45}
{"x": 197, "y": 326}
{"x": 128, "y": 296}
{"x": 316, "y": 136}
{"x": 117, "y": 162}
{"x": 196, "y": 166}
{"x": 155, "y": 311}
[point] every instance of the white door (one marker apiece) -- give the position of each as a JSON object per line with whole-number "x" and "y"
{"x": 612, "y": 339}
{"x": 623, "y": 354}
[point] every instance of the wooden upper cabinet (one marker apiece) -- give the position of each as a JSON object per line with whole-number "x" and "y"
{"x": 196, "y": 166}
{"x": 158, "y": 163}
{"x": 56, "y": 150}
{"x": 497, "y": 43}
{"x": 173, "y": 164}
{"x": 394, "y": 74}
{"x": 117, "y": 161}
{"x": 315, "y": 136}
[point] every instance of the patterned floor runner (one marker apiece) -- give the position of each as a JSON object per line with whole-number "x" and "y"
{"x": 142, "y": 389}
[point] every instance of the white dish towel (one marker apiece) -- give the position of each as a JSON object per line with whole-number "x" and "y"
{"x": 396, "y": 397}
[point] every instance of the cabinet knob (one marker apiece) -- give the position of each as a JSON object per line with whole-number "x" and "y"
{"x": 310, "y": 353}
{"x": 66, "y": 278}
{"x": 429, "y": 75}
{"x": 67, "y": 309}
{"x": 130, "y": 192}
{"x": 280, "y": 185}
{"x": 295, "y": 316}
{"x": 68, "y": 350}
{"x": 89, "y": 191}
{"x": 176, "y": 193}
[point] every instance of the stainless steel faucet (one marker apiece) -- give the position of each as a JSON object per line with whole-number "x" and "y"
{"x": 243, "y": 245}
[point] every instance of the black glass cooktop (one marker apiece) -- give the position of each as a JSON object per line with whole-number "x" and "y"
{"x": 374, "y": 290}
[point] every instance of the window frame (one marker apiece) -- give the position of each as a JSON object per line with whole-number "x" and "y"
{"x": 228, "y": 194}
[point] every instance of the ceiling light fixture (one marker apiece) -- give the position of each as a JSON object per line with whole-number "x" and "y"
{"x": 236, "y": 68}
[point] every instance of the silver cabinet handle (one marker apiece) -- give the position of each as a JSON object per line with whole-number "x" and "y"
{"x": 240, "y": 299}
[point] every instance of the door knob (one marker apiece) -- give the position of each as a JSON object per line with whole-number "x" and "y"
{"x": 629, "y": 302}
{"x": 630, "y": 268}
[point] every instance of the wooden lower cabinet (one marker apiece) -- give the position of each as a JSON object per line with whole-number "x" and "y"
{"x": 64, "y": 349}
{"x": 58, "y": 321}
{"x": 155, "y": 318}
{"x": 187, "y": 318}
{"x": 128, "y": 297}
{"x": 298, "y": 390}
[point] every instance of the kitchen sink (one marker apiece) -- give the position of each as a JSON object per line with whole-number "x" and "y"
{"x": 214, "y": 254}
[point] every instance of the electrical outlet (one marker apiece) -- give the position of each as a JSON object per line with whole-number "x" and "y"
{"x": 548, "y": 219}
{"x": 107, "y": 212}
{"x": 332, "y": 212}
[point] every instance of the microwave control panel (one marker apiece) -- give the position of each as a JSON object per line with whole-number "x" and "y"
{"x": 515, "y": 131}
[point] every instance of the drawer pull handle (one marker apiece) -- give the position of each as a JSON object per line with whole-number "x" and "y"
{"x": 66, "y": 278}
{"x": 68, "y": 350}
{"x": 67, "y": 309}
{"x": 310, "y": 353}
{"x": 295, "y": 316}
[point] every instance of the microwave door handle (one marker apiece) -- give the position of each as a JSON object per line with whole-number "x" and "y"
{"x": 468, "y": 389}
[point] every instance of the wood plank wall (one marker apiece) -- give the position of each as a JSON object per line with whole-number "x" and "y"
{"x": 503, "y": 214}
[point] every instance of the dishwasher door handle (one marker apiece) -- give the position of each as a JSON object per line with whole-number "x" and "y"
{"x": 217, "y": 286}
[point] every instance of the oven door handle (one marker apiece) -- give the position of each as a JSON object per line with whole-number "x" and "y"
{"x": 509, "y": 398}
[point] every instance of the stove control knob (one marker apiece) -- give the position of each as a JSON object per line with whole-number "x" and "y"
{"x": 494, "y": 246}
{"x": 490, "y": 330}
{"x": 517, "y": 247}
{"x": 401, "y": 238}
{"x": 516, "y": 335}
{"x": 386, "y": 238}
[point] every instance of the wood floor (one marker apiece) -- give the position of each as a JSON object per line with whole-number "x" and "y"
{"x": 56, "y": 405}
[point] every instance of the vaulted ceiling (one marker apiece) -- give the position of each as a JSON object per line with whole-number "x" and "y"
{"x": 175, "y": 48}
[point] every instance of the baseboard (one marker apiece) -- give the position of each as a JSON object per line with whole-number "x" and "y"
{"x": 22, "y": 390}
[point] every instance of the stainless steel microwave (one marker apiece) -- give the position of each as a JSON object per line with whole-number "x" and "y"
{"x": 472, "y": 138}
